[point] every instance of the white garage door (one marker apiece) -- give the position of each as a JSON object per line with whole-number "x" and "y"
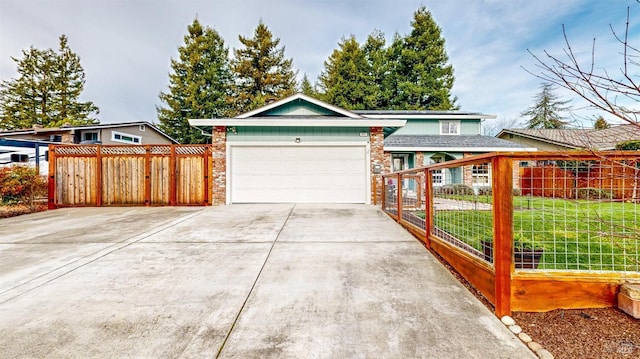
{"x": 329, "y": 174}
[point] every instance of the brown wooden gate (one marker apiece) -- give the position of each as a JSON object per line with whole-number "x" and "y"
{"x": 150, "y": 175}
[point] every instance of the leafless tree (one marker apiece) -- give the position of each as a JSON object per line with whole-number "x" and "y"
{"x": 597, "y": 86}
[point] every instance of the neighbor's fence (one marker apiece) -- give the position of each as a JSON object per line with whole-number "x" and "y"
{"x": 151, "y": 175}
{"x": 532, "y": 232}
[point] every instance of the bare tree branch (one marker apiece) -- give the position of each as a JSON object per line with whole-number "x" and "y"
{"x": 598, "y": 88}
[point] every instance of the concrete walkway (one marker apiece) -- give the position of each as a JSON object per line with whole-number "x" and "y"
{"x": 242, "y": 281}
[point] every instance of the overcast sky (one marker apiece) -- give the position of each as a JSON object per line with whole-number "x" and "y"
{"x": 125, "y": 46}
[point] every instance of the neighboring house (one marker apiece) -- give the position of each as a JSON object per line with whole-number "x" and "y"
{"x": 571, "y": 139}
{"x": 129, "y": 133}
{"x": 301, "y": 149}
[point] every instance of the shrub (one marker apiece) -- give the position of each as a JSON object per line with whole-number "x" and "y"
{"x": 593, "y": 193}
{"x": 21, "y": 184}
{"x": 484, "y": 191}
{"x": 629, "y": 145}
{"x": 455, "y": 189}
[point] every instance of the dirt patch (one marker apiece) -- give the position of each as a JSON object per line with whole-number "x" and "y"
{"x": 19, "y": 209}
{"x": 606, "y": 333}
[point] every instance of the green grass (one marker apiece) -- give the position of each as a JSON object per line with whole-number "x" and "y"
{"x": 575, "y": 234}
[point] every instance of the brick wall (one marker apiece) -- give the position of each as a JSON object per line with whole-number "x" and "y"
{"x": 219, "y": 153}
{"x": 378, "y": 157}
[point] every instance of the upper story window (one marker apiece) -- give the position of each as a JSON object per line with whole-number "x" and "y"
{"x": 449, "y": 127}
{"x": 125, "y": 138}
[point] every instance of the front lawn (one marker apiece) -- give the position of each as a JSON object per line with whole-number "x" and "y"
{"x": 575, "y": 234}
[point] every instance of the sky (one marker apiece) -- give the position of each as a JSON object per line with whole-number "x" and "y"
{"x": 126, "y": 46}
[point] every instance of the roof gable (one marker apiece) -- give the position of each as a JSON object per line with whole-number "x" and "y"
{"x": 299, "y": 105}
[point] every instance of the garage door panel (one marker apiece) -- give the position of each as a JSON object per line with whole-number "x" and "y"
{"x": 298, "y": 174}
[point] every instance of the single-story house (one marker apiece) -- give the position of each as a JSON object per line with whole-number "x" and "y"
{"x": 571, "y": 139}
{"x": 128, "y": 133}
{"x": 300, "y": 149}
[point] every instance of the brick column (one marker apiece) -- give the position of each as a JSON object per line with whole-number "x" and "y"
{"x": 467, "y": 172}
{"x": 376, "y": 142}
{"x": 219, "y": 153}
{"x": 419, "y": 160}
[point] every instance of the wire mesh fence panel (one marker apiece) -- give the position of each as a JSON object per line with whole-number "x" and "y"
{"x": 391, "y": 195}
{"x": 462, "y": 202}
{"x": 413, "y": 208}
{"x": 579, "y": 215}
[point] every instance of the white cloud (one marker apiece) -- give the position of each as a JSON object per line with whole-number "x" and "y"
{"x": 126, "y": 46}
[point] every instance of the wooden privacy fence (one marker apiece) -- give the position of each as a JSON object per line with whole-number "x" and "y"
{"x": 150, "y": 175}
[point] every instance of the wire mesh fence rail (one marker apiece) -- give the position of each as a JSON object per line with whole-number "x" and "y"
{"x": 520, "y": 217}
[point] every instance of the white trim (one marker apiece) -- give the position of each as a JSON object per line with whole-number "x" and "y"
{"x": 299, "y": 96}
{"x": 366, "y": 145}
{"x": 294, "y": 122}
{"x": 452, "y": 116}
{"x": 133, "y": 137}
{"x": 458, "y": 149}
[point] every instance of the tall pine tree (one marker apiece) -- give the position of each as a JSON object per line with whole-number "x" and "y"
{"x": 546, "y": 112}
{"x": 347, "y": 80}
{"x": 47, "y": 91}
{"x": 199, "y": 85}
{"x": 424, "y": 77}
{"x": 307, "y": 88}
{"x": 262, "y": 73}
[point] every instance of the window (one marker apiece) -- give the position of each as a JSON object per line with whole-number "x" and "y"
{"x": 55, "y": 138}
{"x": 449, "y": 127}
{"x": 90, "y": 136}
{"x": 18, "y": 157}
{"x": 480, "y": 174}
{"x": 125, "y": 138}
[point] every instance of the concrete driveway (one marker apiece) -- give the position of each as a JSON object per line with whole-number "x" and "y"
{"x": 241, "y": 281}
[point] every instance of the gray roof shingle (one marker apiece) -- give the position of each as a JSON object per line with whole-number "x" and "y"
{"x": 449, "y": 142}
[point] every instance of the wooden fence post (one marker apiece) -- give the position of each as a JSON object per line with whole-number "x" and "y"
{"x": 428, "y": 208}
{"x": 399, "y": 189}
{"x": 99, "y": 176}
{"x": 51, "y": 204}
{"x": 502, "y": 189}
{"x": 205, "y": 158}
{"x": 172, "y": 176}
{"x": 147, "y": 176}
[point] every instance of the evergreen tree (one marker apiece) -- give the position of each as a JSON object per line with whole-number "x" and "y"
{"x": 262, "y": 73}
{"x": 199, "y": 85}
{"x": 424, "y": 78}
{"x": 346, "y": 80}
{"x": 546, "y": 112}
{"x": 379, "y": 65}
{"x": 68, "y": 87}
{"x": 46, "y": 91}
{"x": 601, "y": 123}
{"x": 307, "y": 88}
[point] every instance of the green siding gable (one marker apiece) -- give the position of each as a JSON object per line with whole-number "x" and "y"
{"x": 306, "y": 134}
{"x": 432, "y": 127}
{"x": 299, "y": 108}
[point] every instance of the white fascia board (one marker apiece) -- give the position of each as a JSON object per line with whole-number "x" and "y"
{"x": 436, "y": 117}
{"x": 458, "y": 149}
{"x": 297, "y": 122}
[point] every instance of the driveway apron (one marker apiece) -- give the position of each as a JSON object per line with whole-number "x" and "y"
{"x": 239, "y": 281}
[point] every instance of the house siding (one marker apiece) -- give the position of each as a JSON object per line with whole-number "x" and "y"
{"x": 298, "y": 109}
{"x": 432, "y": 127}
{"x": 306, "y": 134}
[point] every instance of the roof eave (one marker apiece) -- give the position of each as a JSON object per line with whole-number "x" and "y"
{"x": 292, "y": 122}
